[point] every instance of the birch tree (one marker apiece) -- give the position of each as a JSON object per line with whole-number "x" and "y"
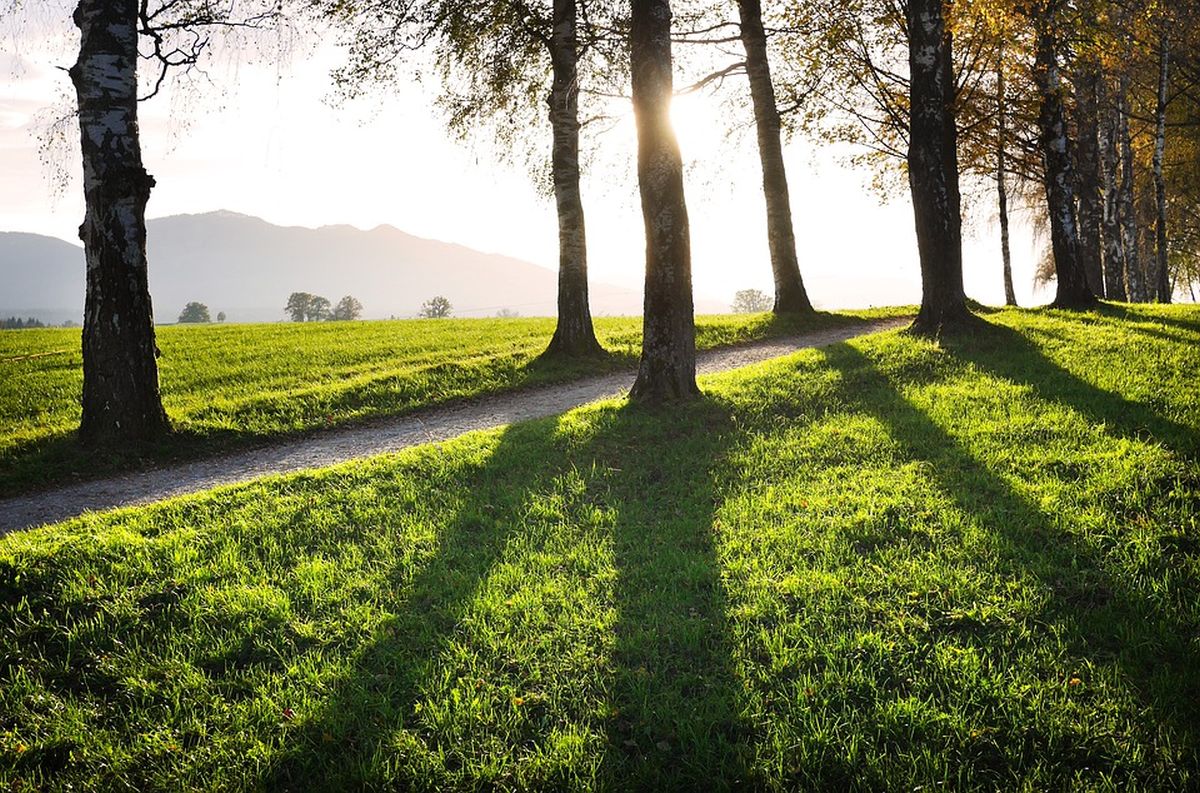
{"x": 859, "y": 56}
{"x": 790, "y": 294}
{"x": 667, "y": 370}
{"x": 933, "y": 168}
{"x": 121, "y": 399}
{"x": 1072, "y": 285}
{"x": 1086, "y": 79}
{"x": 1114, "y": 249}
{"x": 1010, "y": 295}
{"x": 573, "y": 334}
{"x": 710, "y": 32}
{"x": 1162, "y": 278}
{"x": 506, "y": 68}
{"x": 1126, "y": 197}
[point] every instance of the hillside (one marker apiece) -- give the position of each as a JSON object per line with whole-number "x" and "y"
{"x": 246, "y": 267}
{"x": 40, "y": 276}
{"x": 884, "y": 565}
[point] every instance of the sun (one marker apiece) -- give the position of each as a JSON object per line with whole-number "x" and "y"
{"x": 697, "y": 124}
{"x": 695, "y": 118}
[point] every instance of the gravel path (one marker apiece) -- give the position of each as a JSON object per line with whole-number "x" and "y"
{"x": 388, "y": 435}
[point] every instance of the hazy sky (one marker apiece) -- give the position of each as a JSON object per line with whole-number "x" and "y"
{"x": 267, "y": 142}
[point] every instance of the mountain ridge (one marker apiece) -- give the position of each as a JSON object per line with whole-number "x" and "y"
{"x": 246, "y": 267}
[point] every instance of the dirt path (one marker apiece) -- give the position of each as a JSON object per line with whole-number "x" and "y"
{"x": 389, "y": 435}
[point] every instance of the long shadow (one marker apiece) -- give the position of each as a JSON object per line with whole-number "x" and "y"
{"x": 674, "y": 720}
{"x": 1141, "y": 314}
{"x": 1105, "y": 619}
{"x": 346, "y": 745}
{"x": 1007, "y": 354}
{"x": 1167, "y": 335}
{"x": 1146, "y": 323}
{"x": 670, "y": 718}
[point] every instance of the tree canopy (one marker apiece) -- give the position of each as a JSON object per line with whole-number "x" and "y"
{"x": 195, "y": 312}
{"x": 436, "y": 307}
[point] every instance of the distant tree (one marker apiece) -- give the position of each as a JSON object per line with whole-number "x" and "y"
{"x": 750, "y": 301}
{"x": 16, "y": 323}
{"x": 667, "y": 370}
{"x": 306, "y": 307}
{"x": 70, "y": 323}
{"x": 347, "y": 309}
{"x": 195, "y": 312}
{"x": 435, "y": 308}
{"x": 297, "y": 305}
{"x": 318, "y": 309}
{"x": 507, "y": 313}
{"x": 220, "y": 316}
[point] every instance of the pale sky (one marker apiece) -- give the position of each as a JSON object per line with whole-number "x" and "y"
{"x": 265, "y": 141}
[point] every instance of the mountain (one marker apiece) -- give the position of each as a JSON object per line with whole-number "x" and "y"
{"x": 41, "y": 277}
{"x": 247, "y": 267}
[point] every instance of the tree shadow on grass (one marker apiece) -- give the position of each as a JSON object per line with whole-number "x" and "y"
{"x": 777, "y": 325}
{"x": 348, "y": 744}
{"x": 669, "y": 717}
{"x": 1162, "y": 333}
{"x": 674, "y": 721}
{"x": 1146, "y": 313}
{"x": 1146, "y": 323}
{"x": 1003, "y": 352}
{"x": 1105, "y": 618}
{"x": 62, "y": 460}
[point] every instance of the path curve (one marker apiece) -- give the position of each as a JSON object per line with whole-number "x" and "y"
{"x": 376, "y": 437}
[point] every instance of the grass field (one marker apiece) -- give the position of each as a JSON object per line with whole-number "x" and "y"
{"x": 881, "y": 565}
{"x": 225, "y": 386}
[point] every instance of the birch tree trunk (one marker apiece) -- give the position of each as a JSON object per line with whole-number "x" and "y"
{"x": 1162, "y": 277}
{"x": 1134, "y": 282}
{"x": 574, "y": 335}
{"x": 790, "y": 295}
{"x": 1087, "y": 172}
{"x": 668, "y": 365}
{"x": 121, "y": 400}
{"x": 1072, "y": 291}
{"x": 933, "y": 169}
{"x": 1010, "y": 295}
{"x": 1114, "y": 250}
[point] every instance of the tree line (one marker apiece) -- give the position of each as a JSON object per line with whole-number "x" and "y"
{"x": 1053, "y": 98}
{"x": 1084, "y": 113}
{"x": 20, "y": 323}
{"x": 306, "y": 307}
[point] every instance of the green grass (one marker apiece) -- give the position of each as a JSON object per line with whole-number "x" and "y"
{"x": 884, "y": 565}
{"x": 228, "y": 386}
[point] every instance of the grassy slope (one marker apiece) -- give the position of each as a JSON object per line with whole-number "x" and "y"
{"x": 231, "y": 385}
{"x": 882, "y": 564}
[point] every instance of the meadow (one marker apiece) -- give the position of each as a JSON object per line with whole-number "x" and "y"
{"x": 225, "y": 386}
{"x": 885, "y": 564}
